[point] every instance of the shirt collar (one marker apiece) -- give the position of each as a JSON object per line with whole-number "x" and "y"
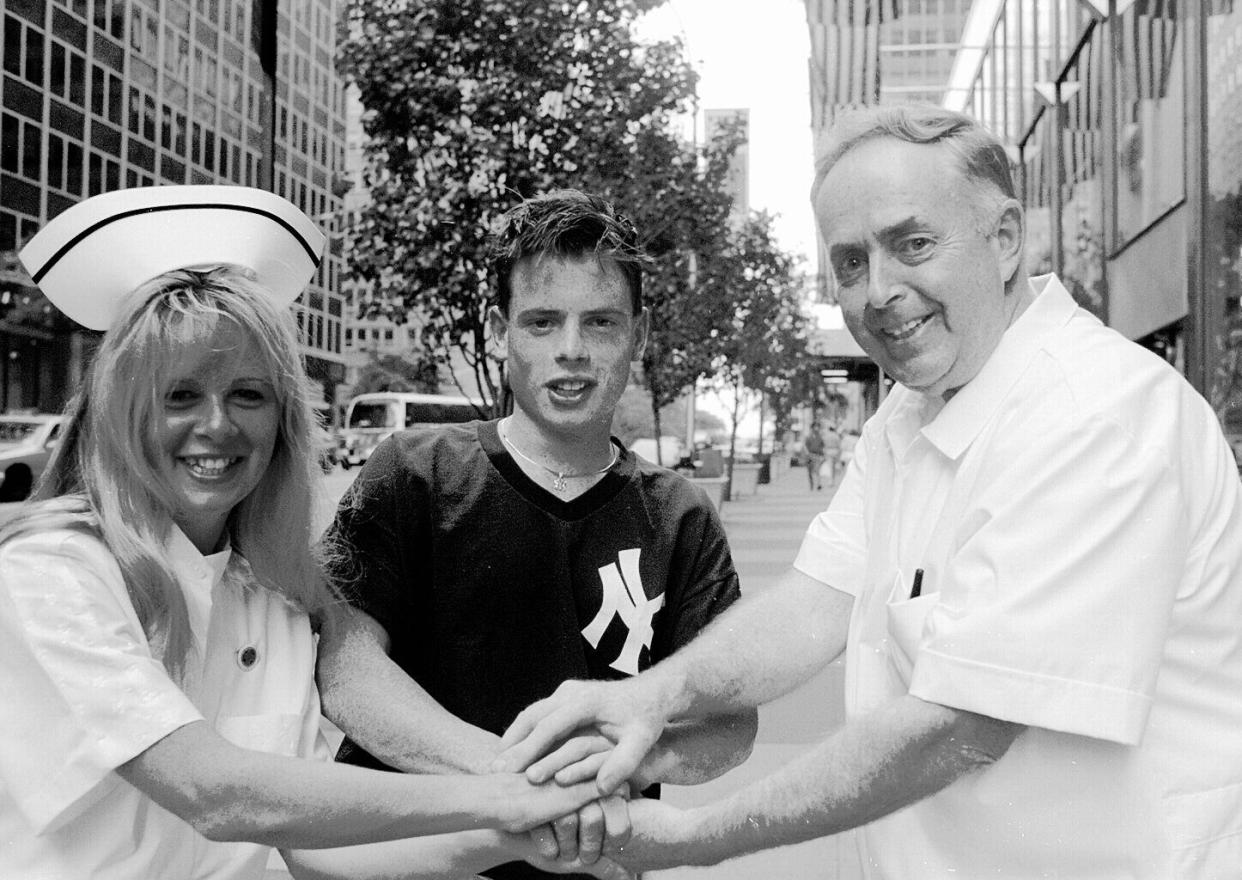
{"x": 198, "y": 576}
{"x": 963, "y": 417}
{"x": 188, "y": 561}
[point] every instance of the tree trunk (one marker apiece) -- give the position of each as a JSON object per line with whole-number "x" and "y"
{"x": 734, "y": 418}
{"x": 655, "y": 421}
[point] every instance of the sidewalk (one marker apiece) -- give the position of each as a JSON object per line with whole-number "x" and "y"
{"x": 765, "y": 530}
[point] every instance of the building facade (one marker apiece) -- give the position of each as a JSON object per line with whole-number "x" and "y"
{"x": 109, "y": 94}
{"x": 918, "y": 48}
{"x": 1125, "y": 123}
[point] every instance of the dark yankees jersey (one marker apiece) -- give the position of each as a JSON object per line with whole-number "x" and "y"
{"x": 494, "y": 591}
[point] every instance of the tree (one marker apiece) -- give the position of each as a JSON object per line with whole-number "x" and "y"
{"x": 691, "y": 294}
{"x": 389, "y": 372}
{"x": 766, "y": 345}
{"x": 471, "y": 106}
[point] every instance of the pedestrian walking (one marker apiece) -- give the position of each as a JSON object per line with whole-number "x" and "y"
{"x": 832, "y": 452}
{"x": 813, "y": 451}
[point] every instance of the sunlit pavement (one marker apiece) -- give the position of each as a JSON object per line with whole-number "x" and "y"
{"x": 765, "y": 530}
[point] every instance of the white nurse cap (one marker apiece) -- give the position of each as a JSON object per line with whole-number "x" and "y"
{"x": 91, "y": 256}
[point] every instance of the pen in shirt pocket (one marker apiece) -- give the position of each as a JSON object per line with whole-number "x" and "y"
{"x": 917, "y": 589}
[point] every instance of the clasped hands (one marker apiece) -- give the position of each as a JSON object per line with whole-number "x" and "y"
{"x": 584, "y": 730}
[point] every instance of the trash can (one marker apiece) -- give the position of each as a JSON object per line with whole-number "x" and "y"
{"x": 765, "y": 467}
{"x": 711, "y": 463}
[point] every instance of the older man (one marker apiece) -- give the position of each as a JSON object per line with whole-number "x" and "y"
{"x": 1033, "y": 565}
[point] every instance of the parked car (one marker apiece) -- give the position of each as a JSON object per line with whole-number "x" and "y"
{"x": 672, "y": 450}
{"x": 371, "y": 418}
{"x": 26, "y": 444}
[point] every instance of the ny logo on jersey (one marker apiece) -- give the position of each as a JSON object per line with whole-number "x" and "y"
{"x": 624, "y": 597}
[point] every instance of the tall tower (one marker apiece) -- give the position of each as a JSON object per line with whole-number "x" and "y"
{"x": 102, "y": 95}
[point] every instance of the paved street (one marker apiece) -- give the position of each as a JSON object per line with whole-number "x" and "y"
{"x": 765, "y": 530}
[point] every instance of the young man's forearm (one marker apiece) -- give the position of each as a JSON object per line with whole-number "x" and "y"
{"x": 761, "y": 648}
{"x": 696, "y": 751}
{"x": 378, "y": 706}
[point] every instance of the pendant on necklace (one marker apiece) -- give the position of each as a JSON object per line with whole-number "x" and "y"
{"x": 558, "y": 483}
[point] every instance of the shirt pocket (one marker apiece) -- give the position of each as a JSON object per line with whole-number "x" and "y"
{"x": 906, "y": 619}
{"x": 277, "y": 734}
{"x": 1205, "y": 831}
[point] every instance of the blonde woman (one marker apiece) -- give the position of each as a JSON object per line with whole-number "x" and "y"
{"x": 157, "y": 595}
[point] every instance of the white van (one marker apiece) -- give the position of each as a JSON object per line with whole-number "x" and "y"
{"x": 371, "y": 418}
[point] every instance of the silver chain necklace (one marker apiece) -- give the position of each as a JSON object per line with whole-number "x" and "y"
{"x": 559, "y": 477}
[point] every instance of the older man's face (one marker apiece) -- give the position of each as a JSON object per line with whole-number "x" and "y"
{"x": 920, "y": 269}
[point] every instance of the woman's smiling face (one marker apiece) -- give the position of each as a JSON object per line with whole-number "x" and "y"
{"x": 216, "y": 427}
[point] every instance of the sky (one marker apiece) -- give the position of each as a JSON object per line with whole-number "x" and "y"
{"x": 753, "y": 54}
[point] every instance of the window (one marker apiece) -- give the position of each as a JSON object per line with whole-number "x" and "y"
{"x": 149, "y": 117}
{"x": 208, "y": 9}
{"x": 67, "y": 76}
{"x": 106, "y": 94}
{"x": 28, "y": 63}
{"x": 196, "y": 143}
{"x": 110, "y": 17}
{"x": 32, "y": 153}
{"x": 64, "y": 164}
{"x": 177, "y": 54}
{"x": 77, "y": 6}
{"x": 55, "y": 161}
{"x": 10, "y": 134}
{"x": 135, "y": 110}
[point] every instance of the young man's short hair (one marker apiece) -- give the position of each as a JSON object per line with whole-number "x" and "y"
{"x": 566, "y": 223}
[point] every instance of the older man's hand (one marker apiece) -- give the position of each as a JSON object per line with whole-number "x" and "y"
{"x": 629, "y": 714}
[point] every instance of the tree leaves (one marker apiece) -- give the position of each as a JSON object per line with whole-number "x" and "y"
{"x": 473, "y": 105}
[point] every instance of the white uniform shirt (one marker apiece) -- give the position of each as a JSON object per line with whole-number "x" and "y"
{"x": 83, "y": 693}
{"x": 1078, "y": 518}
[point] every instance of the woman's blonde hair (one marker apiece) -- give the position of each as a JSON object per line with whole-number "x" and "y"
{"x": 105, "y": 477}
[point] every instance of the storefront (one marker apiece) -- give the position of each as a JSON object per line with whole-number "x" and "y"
{"x": 1124, "y": 119}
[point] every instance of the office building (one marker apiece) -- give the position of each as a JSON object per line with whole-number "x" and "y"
{"x": 107, "y": 94}
{"x": 1125, "y": 123}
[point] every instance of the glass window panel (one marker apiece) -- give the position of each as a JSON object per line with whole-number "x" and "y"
{"x": 32, "y": 152}
{"x": 12, "y": 45}
{"x": 1223, "y": 231}
{"x": 1150, "y": 117}
{"x": 56, "y": 78}
{"x": 10, "y": 132}
{"x": 77, "y": 79}
{"x": 73, "y": 168}
{"x": 55, "y": 162}
{"x": 34, "y": 56}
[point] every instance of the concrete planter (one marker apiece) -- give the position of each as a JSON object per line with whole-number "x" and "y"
{"x": 745, "y": 479}
{"x": 713, "y": 486}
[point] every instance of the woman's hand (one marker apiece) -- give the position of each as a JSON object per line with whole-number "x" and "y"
{"x": 604, "y": 868}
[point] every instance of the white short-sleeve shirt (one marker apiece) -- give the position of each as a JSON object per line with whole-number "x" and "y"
{"x": 83, "y": 693}
{"x": 1077, "y": 517}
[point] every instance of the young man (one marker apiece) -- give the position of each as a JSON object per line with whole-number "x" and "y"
{"x": 1033, "y": 565}
{"x": 497, "y": 559}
